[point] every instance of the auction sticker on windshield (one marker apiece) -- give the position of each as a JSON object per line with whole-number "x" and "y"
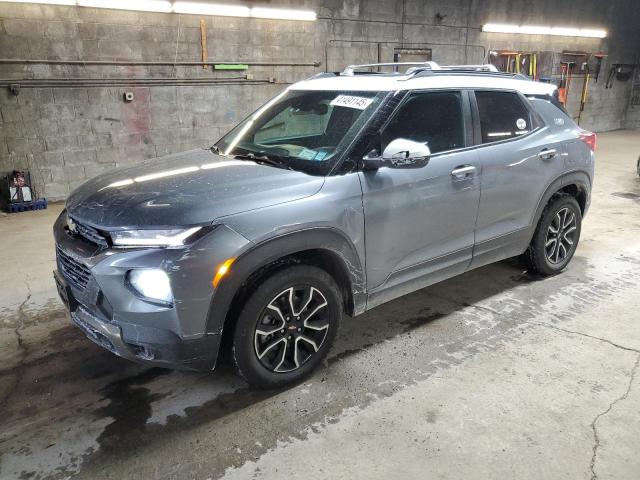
{"x": 351, "y": 101}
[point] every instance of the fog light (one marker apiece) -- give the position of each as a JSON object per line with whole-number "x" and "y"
{"x": 152, "y": 284}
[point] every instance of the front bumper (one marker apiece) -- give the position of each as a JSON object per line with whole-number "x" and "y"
{"x": 158, "y": 348}
{"x": 91, "y": 283}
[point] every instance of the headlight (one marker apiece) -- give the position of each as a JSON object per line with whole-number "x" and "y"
{"x": 152, "y": 284}
{"x": 173, "y": 237}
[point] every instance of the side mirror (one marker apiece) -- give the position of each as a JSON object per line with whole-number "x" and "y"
{"x": 400, "y": 153}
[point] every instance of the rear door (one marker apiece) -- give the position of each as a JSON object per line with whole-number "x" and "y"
{"x": 520, "y": 157}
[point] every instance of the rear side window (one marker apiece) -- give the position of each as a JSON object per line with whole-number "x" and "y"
{"x": 434, "y": 118}
{"x": 502, "y": 116}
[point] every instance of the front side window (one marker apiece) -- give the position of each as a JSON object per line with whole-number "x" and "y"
{"x": 434, "y": 118}
{"x": 301, "y": 130}
{"x": 502, "y": 116}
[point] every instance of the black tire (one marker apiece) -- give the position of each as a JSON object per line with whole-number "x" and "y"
{"x": 263, "y": 313}
{"x": 638, "y": 167}
{"x": 543, "y": 256}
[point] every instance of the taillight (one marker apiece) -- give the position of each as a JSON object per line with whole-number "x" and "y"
{"x": 590, "y": 139}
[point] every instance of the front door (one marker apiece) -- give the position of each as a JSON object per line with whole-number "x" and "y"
{"x": 419, "y": 223}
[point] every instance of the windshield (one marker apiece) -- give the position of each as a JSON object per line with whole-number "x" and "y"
{"x": 301, "y": 130}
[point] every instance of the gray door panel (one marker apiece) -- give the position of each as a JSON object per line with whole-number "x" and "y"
{"x": 520, "y": 158}
{"x": 515, "y": 175}
{"x": 419, "y": 221}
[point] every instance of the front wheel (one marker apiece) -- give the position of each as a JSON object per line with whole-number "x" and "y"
{"x": 556, "y": 237}
{"x": 287, "y": 326}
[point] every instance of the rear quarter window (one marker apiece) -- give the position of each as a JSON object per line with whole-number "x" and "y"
{"x": 554, "y": 117}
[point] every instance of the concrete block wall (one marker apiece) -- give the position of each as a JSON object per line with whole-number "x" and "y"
{"x": 632, "y": 119}
{"x": 66, "y": 135}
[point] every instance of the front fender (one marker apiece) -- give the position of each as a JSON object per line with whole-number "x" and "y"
{"x": 273, "y": 249}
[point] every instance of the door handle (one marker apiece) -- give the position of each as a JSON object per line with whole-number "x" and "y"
{"x": 463, "y": 171}
{"x": 547, "y": 153}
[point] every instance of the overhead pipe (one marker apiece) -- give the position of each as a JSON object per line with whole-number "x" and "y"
{"x": 396, "y": 22}
{"x": 16, "y": 85}
{"x": 28, "y": 61}
{"x": 122, "y": 79}
{"x": 130, "y": 81}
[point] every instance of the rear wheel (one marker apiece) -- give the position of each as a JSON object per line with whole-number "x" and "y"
{"x": 556, "y": 237}
{"x": 287, "y": 326}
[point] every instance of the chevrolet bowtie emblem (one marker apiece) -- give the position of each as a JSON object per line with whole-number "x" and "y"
{"x": 71, "y": 225}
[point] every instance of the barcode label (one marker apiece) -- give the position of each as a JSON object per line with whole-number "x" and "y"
{"x": 351, "y": 101}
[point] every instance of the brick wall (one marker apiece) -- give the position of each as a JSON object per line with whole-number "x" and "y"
{"x": 67, "y": 134}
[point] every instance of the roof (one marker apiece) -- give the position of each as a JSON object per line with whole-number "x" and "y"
{"x": 376, "y": 82}
{"x": 422, "y": 76}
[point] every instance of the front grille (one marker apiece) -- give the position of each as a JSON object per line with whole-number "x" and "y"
{"x": 91, "y": 234}
{"x": 75, "y": 272}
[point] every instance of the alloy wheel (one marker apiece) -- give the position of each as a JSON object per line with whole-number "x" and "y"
{"x": 292, "y": 328}
{"x": 560, "y": 237}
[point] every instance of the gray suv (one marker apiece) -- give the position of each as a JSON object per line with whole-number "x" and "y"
{"x": 345, "y": 191}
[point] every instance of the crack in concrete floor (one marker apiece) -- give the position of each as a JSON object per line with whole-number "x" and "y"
{"x": 596, "y": 436}
{"x": 613, "y": 344}
{"x": 632, "y": 375}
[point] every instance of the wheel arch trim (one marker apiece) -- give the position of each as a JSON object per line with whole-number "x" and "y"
{"x": 578, "y": 178}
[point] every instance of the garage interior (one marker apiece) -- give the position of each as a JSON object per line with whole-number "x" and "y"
{"x": 498, "y": 373}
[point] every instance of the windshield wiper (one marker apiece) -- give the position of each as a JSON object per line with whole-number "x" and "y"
{"x": 274, "y": 161}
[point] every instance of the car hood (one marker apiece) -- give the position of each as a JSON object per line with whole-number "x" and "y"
{"x": 189, "y": 188}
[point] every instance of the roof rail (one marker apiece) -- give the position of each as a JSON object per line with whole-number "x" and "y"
{"x": 486, "y": 68}
{"x": 481, "y": 73}
{"x": 350, "y": 70}
{"x": 417, "y": 69}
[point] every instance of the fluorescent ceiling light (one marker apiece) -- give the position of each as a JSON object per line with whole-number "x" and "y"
{"x": 283, "y": 14}
{"x": 140, "y": 5}
{"x": 534, "y": 30}
{"x": 542, "y": 30}
{"x": 46, "y": 2}
{"x": 191, "y": 8}
{"x": 199, "y": 8}
{"x": 587, "y": 32}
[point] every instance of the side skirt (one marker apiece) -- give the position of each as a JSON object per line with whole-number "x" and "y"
{"x": 419, "y": 276}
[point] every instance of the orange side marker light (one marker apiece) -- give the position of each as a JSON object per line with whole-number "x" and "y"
{"x": 222, "y": 271}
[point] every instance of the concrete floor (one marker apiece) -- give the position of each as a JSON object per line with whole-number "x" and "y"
{"x": 495, "y": 374}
